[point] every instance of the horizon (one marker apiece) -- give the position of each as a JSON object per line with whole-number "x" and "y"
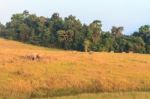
{"x": 129, "y": 14}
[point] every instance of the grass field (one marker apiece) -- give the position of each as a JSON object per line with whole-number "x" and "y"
{"x": 125, "y": 95}
{"x": 59, "y": 73}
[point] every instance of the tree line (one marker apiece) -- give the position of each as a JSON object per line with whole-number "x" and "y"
{"x": 70, "y": 34}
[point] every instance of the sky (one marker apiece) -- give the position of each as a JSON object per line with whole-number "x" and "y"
{"x": 128, "y": 13}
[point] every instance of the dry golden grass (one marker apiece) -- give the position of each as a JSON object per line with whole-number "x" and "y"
{"x": 68, "y": 72}
{"x": 118, "y": 95}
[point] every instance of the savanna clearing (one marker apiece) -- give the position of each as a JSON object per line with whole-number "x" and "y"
{"x": 54, "y": 72}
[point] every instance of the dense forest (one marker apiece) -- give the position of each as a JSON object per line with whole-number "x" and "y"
{"x": 70, "y": 34}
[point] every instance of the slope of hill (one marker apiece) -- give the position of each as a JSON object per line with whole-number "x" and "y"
{"x": 33, "y": 71}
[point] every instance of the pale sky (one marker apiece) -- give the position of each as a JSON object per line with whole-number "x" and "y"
{"x": 128, "y": 13}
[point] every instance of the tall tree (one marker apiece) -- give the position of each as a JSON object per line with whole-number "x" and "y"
{"x": 94, "y": 34}
{"x": 117, "y": 31}
{"x": 56, "y": 23}
{"x": 95, "y": 31}
{"x": 144, "y": 33}
{"x": 73, "y": 24}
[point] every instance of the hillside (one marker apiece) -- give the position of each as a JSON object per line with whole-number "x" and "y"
{"x": 36, "y": 71}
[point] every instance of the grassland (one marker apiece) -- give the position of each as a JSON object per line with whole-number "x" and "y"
{"x": 59, "y": 72}
{"x": 118, "y": 95}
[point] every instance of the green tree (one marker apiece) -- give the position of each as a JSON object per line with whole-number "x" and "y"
{"x": 73, "y": 24}
{"x": 144, "y": 33}
{"x": 56, "y": 23}
{"x": 2, "y": 30}
{"x": 94, "y": 34}
{"x": 144, "y": 29}
{"x": 65, "y": 38}
{"x": 95, "y": 31}
{"x": 117, "y": 31}
{"x": 107, "y": 43}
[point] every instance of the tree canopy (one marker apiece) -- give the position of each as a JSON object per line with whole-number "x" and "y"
{"x": 70, "y": 34}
